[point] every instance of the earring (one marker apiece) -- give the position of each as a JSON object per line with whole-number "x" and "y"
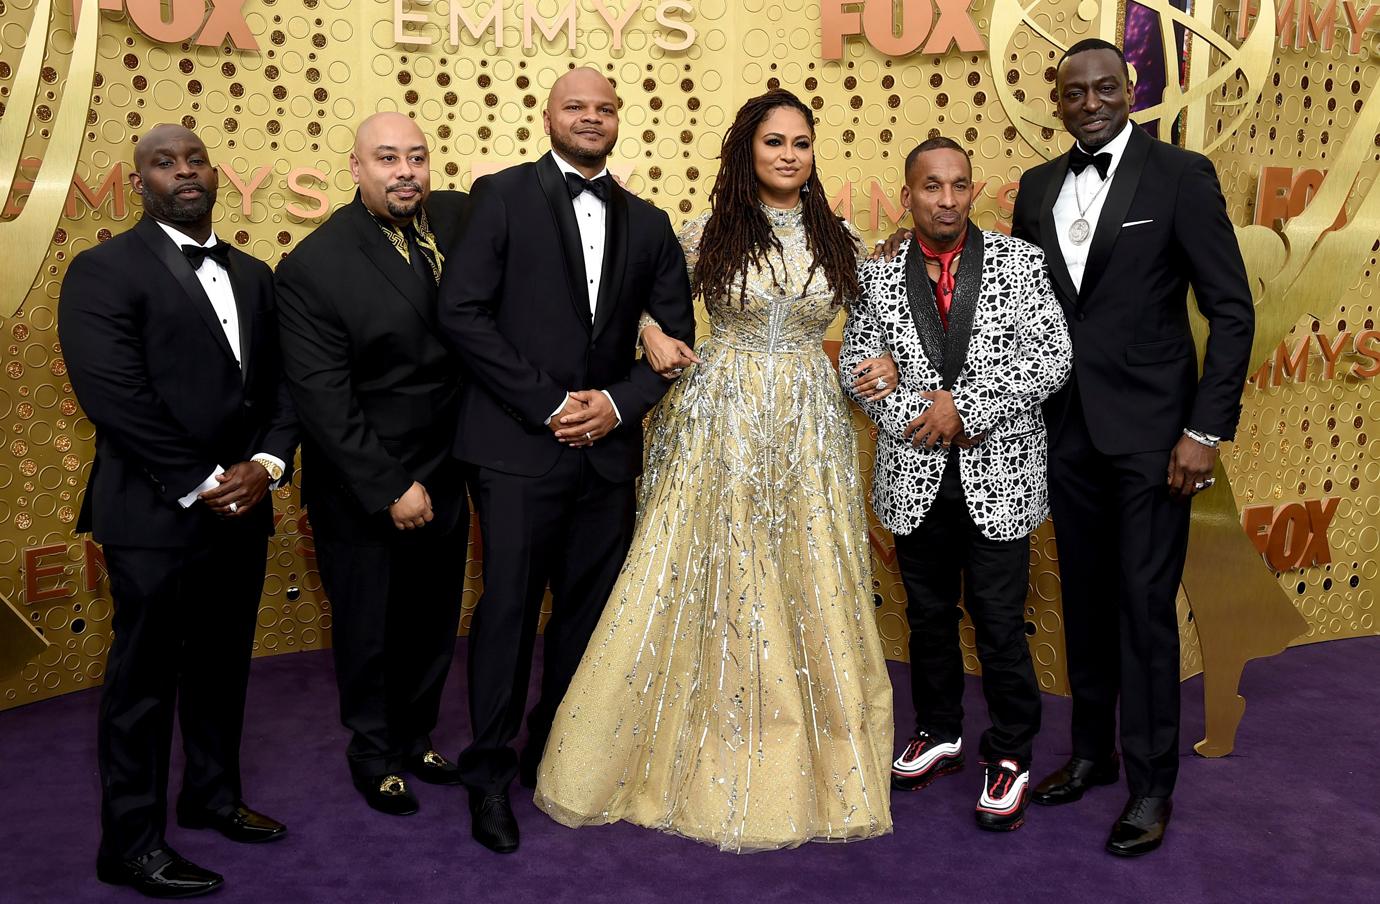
{"x": 805, "y": 189}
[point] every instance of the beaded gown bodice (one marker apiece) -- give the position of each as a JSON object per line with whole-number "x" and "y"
{"x": 780, "y": 306}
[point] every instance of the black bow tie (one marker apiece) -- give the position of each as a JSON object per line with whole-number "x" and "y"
{"x": 1080, "y": 160}
{"x": 598, "y": 187}
{"x": 196, "y": 254}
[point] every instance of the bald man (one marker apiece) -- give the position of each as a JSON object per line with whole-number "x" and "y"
{"x": 171, "y": 341}
{"x": 542, "y": 302}
{"x": 377, "y": 389}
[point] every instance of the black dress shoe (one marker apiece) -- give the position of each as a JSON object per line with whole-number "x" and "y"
{"x": 492, "y": 822}
{"x": 1074, "y": 778}
{"x": 388, "y": 794}
{"x": 1140, "y": 829}
{"x": 160, "y": 873}
{"x": 239, "y": 823}
{"x": 434, "y": 769}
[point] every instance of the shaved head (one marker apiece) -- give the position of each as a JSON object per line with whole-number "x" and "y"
{"x": 175, "y": 179}
{"x": 581, "y": 81}
{"x": 581, "y": 117}
{"x": 392, "y": 166}
{"x": 162, "y": 136}
{"x": 389, "y": 128}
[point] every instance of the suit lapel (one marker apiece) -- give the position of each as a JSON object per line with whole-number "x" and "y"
{"x": 615, "y": 257}
{"x": 381, "y": 253}
{"x": 922, "y": 307}
{"x": 243, "y": 291}
{"x": 1049, "y": 233}
{"x": 563, "y": 212}
{"x": 167, "y": 251}
{"x": 1109, "y": 220}
{"x": 967, "y": 287}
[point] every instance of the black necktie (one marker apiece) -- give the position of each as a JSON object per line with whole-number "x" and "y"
{"x": 598, "y": 187}
{"x": 1080, "y": 160}
{"x": 414, "y": 252}
{"x": 196, "y": 254}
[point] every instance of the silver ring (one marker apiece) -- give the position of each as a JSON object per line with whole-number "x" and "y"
{"x": 234, "y": 507}
{"x": 1204, "y": 484}
{"x": 588, "y": 437}
{"x": 881, "y": 383}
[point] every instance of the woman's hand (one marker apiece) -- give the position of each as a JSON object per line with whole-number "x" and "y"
{"x": 668, "y": 356}
{"x": 875, "y": 378}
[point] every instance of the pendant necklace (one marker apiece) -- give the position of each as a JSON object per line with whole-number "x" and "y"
{"x": 1080, "y": 229}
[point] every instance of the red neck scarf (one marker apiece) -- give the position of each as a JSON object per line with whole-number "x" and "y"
{"x": 944, "y": 291}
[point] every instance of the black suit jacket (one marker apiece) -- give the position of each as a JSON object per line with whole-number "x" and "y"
{"x": 153, "y": 370}
{"x": 1134, "y": 360}
{"x": 514, "y": 304}
{"x": 374, "y": 383}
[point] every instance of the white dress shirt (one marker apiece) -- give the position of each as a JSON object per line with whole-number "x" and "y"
{"x": 215, "y": 279}
{"x": 591, "y": 214}
{"x": 1085, "y": 187}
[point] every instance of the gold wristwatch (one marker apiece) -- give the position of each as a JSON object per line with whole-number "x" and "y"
{"x": 275, "y": 473}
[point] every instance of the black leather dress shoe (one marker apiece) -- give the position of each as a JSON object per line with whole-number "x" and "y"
{"x": 160, "y": 873}
{"x": 434, "y": 769}
{"x": 1140, "y": 829}
{"x": 238, "y": 824}
{"x": 1074, "y": 778}
{"x": 492, "y": 822}
{"x": 388, "y": 794}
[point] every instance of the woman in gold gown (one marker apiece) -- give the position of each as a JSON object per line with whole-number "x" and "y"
{"x": 735, "y": 690}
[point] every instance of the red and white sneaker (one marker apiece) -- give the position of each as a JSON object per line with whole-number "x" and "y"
{"x": 924, "y": 760}
{"x": 1005, "y": 793}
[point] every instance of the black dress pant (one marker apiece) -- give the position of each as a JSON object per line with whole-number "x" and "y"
{"x": 945, "y": 554}
{"x": 395, "y": 606}
{"x": 572, "y": 528}
{"x": 183, "y": 634}
{"x": 1122, "y": 541}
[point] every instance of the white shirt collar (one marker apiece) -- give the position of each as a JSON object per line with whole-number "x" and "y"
{"x": 1116, "y": 147}
{"x": 181, "y": 238}
{"x": 567, "y": 168}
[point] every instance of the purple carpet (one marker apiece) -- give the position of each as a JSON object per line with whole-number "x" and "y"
{"x": 1290, "y": 817}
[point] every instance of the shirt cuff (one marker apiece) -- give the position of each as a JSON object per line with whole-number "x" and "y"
{"x": 282, "y": 468}
{"x": 615, "y": 407}
{"x": 547, "y": 422}
{"x": 209, "y": 483}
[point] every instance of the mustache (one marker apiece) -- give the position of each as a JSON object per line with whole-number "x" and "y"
{"x": 407, "y": 183}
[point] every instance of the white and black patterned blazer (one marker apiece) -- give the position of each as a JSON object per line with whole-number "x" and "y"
{"x": 1006, "y": 350}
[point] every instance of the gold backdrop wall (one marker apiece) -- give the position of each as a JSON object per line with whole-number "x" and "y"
{"x": 274, "y": 87}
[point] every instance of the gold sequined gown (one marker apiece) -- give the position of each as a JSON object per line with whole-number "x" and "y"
{"x": 735, "y": 690}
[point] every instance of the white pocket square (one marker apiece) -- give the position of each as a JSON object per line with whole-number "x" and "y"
{"x": 1136, "y": 223}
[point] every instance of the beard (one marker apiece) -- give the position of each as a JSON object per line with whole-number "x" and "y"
{"x": 403, "y": 210}
{"x": 171, "y": 209}
{"x": 572, "y": 151}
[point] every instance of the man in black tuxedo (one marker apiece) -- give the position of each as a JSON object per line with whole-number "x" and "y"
{"x": 377, "y": 391}
{"x": 543, "y": 299}
{"x": 171, "y": 342}
{"x": 1128, "y": 224}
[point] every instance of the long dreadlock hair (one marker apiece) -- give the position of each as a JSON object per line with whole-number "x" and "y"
{"x": 738, "y": 233}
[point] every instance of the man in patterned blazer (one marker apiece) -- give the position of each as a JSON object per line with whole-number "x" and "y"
{"x": 980, "y": 341}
